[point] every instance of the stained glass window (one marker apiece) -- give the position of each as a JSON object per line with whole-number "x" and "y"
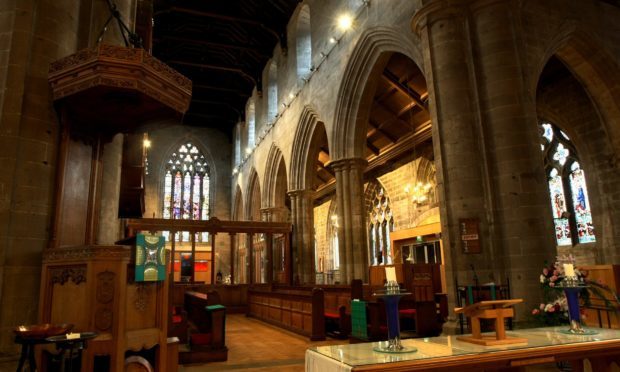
{"x": 381, "y": 224}
{"x": 186, "y": 188}
{"x": 568, "y": 193}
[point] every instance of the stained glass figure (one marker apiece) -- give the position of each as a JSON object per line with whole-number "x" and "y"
{"x": 186, "y": 188}
{"x": 568, "y": 193}
{"x": 381, "y": 224}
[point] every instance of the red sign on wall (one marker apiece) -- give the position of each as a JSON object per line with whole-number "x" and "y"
{"x": 470, "y": 235}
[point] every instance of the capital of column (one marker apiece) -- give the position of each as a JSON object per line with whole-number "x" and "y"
{"x": 301, "y": 193}
{"x": 435, "y": 10}
{"x": 345, "y": 164}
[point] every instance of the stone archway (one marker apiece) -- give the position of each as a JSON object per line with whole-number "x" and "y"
{"x": 275, "y": 187}
{"x": 587, "y": 111}
{"x": 371, "y": 54}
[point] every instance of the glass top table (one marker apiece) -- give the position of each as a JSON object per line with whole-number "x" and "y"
{"x": 541, "y": 343}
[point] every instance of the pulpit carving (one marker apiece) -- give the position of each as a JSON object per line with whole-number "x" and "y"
{"x": 61, "y": 275}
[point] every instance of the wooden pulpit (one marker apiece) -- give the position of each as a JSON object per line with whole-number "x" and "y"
{"x": 498, "y": 310}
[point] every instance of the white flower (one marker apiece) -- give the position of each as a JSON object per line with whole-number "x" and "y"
{"x": 542, "y": 278}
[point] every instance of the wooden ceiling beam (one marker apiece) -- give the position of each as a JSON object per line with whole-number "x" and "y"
{"x": 215, "y": 67}
{"x": 372, "y": 148}
{"x": 323, "y": 167}
{"x": 258, "y": 49}
{"x": 222, "y": 17}
{"x": 377, "y": 128}
{"x": 394, "y": 81}
{"x": 221, "y": 89}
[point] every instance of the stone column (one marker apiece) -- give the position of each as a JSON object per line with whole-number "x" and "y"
{"x": 352, "y": 238}
{"x": 303, "y": 236}
{"x": 519, "y": 183}
{"x": 233, "y": 247}
{"x": 486, "y": 144}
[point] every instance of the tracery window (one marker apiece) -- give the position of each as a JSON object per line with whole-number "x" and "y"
{"x": 568, "y": 193}
{"x": 335, "y": 247}
{"x": 381, "y": 225}
{"x": 186, "y": 189}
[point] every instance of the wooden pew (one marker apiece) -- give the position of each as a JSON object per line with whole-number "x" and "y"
{"x": 300, "y": 310}
{"x": 207, "y": 320}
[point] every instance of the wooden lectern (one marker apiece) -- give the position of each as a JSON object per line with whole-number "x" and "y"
{"x": 498, "y": 310}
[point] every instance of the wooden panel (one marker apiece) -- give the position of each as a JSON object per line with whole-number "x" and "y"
{"x": 598, "y": 314}
{"x": 296, "y": 320}
{"x": 69, "y": 305}
{"x": 75, "y": 190}
{"x": 140, "y": 306}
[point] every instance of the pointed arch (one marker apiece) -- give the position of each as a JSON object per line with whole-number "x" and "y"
{"x": 253, "y": 197}
{"x": 310, "y": 131}
{"x": 370, "y": 55}
{"x": 275, "y": 185}
{"x": 237, "y": 210}
{"x": 585, "y": 57}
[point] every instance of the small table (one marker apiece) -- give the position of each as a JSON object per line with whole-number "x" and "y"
{"x": 63, "y": 344}
{"x": 28, "y": 344}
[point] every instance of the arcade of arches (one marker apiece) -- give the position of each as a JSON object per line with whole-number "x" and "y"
{"x": 372, "y": 145}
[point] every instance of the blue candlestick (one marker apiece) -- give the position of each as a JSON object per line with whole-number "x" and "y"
{"x": 571, "y": 291}
{"x": 391, "y": 298}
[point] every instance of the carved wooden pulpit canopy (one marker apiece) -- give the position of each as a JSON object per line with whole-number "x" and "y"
{"x": 86, "y": 280}
{"x": 117, "y": 88}
{"x": 498, "y": 310}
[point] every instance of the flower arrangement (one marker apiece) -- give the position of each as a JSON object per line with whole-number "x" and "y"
{"x": 554, "y": 308}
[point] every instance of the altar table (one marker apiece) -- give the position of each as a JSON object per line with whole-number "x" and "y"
{"x": 446, "y": 353}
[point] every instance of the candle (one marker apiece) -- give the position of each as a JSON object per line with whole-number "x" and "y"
{"x": 569, "y": 270}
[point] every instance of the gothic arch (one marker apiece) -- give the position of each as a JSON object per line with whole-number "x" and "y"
{"x": 302, "y": 160}
{"x": 253, "y": 199}
{"x": 274, "y": 187}
{"x": 597, "y": 87}
{"x": 370, "y": 54}
{"x": 237, "y": 210}
{"x": 583, "y": 54}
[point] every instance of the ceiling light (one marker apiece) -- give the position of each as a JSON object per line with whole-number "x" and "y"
{"x": 345, "y": 22}
{"x": 248, "y": 150}
{"x": 332, "y": 40}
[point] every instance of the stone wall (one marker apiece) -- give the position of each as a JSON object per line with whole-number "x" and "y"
{"x": 32, "y": 34}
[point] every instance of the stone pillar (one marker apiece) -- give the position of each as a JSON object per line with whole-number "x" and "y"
{"x": 352, "y": 235}
{"x": 519, "y": 183}
{"x": 233, "y": 247}
{"x": 303, "y": 237}
{"x": 487, "y": 150}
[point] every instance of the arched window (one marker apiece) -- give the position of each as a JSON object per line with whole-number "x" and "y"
{"x": 381, "y": 225}
{"x": 272, "y": 92}
{"x": 237, "y": 144}
{"x": 186, "y": 188}
{"x": 572, "y": 216}
{"x": 304, "y": 44}
{"x": 251, "y": 120}
{"x": 335, "y": 246}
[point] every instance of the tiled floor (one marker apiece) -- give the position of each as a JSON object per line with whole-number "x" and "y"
{"x": 257, "y": 346}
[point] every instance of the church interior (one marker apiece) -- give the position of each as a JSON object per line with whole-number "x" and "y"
{"x": 346, "y": 185}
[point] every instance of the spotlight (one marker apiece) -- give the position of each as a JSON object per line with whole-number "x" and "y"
{"x": 345, "y": 22}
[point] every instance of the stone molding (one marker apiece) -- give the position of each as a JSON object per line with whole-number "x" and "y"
{"x": 306, "y": 129}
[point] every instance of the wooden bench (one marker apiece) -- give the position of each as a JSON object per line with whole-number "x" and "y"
{"x": 207, "y": 319}
{"x": 299, "y": 310}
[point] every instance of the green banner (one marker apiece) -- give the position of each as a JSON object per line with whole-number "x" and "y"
{"x": 150, "y": 258}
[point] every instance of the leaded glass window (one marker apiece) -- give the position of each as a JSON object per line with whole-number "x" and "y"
{"x": 568, "y": 193}
{"x": 381, "y": 224}
{"x": 186, "y": 189}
